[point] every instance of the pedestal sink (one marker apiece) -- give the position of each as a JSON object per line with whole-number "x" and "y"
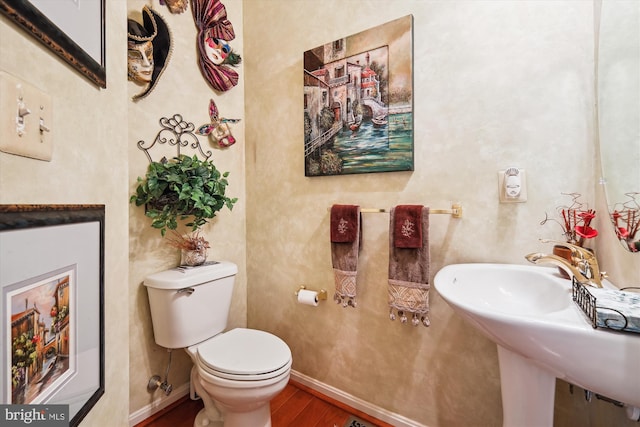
{"x": 541, "y": 335}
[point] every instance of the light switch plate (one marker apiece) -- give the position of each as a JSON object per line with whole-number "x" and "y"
{"x": 522, "y": 197}
{"x": 25, "y": 139}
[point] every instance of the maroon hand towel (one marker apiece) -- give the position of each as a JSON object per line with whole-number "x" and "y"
{"x": 345, "y": 245}
{"x": 409, "y": 274}
{"x": 344, "y": 223}
{"x": 408, "y": 226}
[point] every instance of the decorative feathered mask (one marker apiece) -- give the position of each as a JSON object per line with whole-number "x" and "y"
{"x": 218, "y": 128}
{"x": 215, "y": 32}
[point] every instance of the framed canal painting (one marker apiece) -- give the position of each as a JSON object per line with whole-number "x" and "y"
{"x": 358, "y": 102}
{"x": 52, "y": 307}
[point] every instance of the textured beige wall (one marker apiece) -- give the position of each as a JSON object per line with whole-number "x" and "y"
{"x": 496, "y": 84}
{"x": 89, "y": 165}
{"x": 180, "y": 90}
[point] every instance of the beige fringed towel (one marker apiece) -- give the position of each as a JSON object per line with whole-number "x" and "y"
{"x": 409, "y": 263}
{"x": 345, "y": 246}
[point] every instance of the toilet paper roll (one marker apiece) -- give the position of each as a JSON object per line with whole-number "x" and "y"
{"x": 308, "y": 297}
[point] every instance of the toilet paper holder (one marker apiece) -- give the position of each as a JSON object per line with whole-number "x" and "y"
{"x": 322, "y": 294}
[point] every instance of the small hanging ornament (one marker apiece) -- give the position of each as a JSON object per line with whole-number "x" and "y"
{"x": 175, "y": 6}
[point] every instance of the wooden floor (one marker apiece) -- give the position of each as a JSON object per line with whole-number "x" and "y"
{"x": 296, "y": 405}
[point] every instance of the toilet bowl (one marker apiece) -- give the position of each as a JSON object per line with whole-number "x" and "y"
{"x": 237, "y": 372}
{"x": 240, "y": 371}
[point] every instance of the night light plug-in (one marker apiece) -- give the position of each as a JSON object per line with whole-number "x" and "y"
{"x": 512, "y": 185}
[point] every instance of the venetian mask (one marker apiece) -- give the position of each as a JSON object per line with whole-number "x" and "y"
{"x": 148, "y": 49}
{"x": 217, "y": 50}
{"x": 215, "y": 31}
{"x": 140, "y": 61}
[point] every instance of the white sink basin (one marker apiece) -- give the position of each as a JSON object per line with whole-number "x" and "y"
{"x": 541, "y": 335}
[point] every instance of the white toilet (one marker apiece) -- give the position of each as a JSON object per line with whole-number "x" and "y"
{"x": 236, "y": 373}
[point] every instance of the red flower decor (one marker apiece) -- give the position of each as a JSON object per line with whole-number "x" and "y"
{"x": 621, "y": 232}
{"x": 576, "y": 221}
{"x": 584, "y": 231}
{"x": 627, "y": 222}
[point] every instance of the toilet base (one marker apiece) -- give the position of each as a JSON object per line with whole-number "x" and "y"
{"x": 260, "y": 417}
{"x": 220, "y": 416}
{"x": 202, "y": 420}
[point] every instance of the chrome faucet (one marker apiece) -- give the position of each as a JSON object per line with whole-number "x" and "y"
{"x": 583, "y": 265}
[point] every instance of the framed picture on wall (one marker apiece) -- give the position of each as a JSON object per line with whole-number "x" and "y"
{"x": 52, "y": 306}
{"x": 358, "y": 102}
{"x": 72, "y": 29}
{"x": 41, "y": 335}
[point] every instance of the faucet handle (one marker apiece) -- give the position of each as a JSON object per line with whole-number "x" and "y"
{"x": 575, "y": 249}
{"x": 587, "y": 261}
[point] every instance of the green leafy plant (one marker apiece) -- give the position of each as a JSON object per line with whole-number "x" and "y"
{"x": 183, "y": 188}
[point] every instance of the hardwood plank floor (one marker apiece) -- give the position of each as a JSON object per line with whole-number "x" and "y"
{"x": 297, "y": 405}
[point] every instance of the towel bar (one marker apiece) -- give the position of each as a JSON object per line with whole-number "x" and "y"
{"x": 455, "y": 211}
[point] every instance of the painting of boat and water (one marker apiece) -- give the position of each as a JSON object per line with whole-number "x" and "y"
{"x": 358, "y": 102}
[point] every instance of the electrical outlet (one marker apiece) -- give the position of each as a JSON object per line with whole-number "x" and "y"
{"x": 512, "y": 185}
{"x": 25, "y": 119}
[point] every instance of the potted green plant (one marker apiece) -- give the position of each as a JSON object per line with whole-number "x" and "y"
{"x": 184, "y": 189}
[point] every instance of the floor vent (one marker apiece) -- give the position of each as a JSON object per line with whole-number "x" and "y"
{"x": 357, "y": 422}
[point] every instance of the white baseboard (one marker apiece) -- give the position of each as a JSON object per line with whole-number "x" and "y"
{"x": 354, "y": 402}
{"x": 158, "y": 405}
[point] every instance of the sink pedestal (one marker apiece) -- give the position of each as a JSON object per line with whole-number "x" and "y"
{"x": 528, "y": 391}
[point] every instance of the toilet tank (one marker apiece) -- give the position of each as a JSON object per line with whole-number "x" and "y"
{"x": 190, "y": 305}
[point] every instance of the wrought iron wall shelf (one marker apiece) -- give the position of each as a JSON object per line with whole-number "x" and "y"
{"x": 178, "y": 133}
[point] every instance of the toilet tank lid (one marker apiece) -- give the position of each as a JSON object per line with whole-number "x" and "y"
{"x": 179, "y": 277}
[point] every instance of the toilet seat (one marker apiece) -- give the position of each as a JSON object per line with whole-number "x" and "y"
{"x": 244, "y": 355}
